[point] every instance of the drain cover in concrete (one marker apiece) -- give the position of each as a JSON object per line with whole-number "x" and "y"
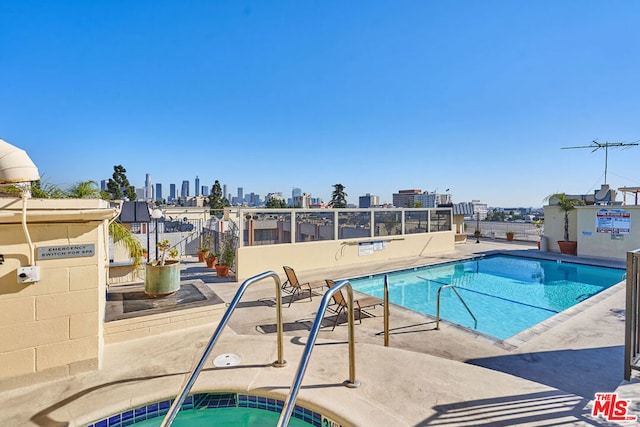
{"x": 226, "y": 360}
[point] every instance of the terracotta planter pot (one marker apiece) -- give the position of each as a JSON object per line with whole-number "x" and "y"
{"x": 222, "y": 270}
{"x": 162, "y": 280}
{"x": 568, "y": 247}
{"x": 211, "y": 262}
{"x": 202, "y": 255}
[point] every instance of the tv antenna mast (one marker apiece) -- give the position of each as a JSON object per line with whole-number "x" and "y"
{"x": 595, "y": 145}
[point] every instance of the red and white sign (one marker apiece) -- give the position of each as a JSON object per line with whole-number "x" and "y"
{"x": 614, "y": 221}
{"x": 608, "y": 406}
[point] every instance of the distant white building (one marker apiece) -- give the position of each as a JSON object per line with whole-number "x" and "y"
{"x": 303, "y": 201}
{"x": 479, "y": 209}
{"x": 274, "y": 196}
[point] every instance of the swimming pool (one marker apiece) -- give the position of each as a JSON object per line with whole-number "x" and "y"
{"x": 220, "y": 409}
{"x": 506, "y": 294}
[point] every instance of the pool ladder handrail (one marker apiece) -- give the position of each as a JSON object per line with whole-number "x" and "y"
{"x": 352, "y": 382}
{"x": 475, "y": 324}
{"x": 195, "y": 371}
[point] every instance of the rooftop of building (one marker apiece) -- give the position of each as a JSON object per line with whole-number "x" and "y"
{"x": 426, "y": 376}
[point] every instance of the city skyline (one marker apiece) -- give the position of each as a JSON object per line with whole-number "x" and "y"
{"x": 477, "y": 97}
{"x": 426, "y": 197}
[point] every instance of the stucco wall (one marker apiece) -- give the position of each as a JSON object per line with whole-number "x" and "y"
{"x": 582, "y": 228}
{"x": 606, "y": 245}
{"x": 53, "y": 327}
{"x": 253, "y": 260}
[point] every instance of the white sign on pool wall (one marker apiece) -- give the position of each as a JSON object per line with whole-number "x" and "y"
{"x": 365, "y": 248}
{"x": 614, "y": 221}
{"x": 368, "y": 248}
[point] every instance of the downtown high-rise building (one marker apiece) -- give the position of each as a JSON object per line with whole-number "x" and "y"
{"x": 148, "y": 188}
{"x": 240, "y": 195}
{"x": 225, "y": 194}
{"x": 368, "y": 201}
{"x": 197, "y": 186}
{"x": 296, "y": 195}
{"x": 172, "y": 192}
{"x": 184, "y": 193}
{"x": 205, "y": 190}
{"x": 158, "y": 194}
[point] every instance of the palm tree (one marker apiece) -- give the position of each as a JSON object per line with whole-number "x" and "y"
{"x": 566, "y": 205}
{"x": 121, "y": 234}
{"x": 86, "y": 190}
{"x": 44, "y": 190}
{"x": 89, "y": 190}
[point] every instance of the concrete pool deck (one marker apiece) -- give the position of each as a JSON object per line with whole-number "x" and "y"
{"x": 450, "y": 376}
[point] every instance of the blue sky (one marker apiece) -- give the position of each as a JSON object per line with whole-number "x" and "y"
{"x": 477, "y": 97}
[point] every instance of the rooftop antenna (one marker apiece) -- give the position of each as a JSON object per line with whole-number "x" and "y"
{"x": 595, "y": 145}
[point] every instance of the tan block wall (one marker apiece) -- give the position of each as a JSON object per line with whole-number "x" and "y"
{"x": 140, "y": 327}
{"x": 53, "y": 327}
{"x": 254, "y": 260}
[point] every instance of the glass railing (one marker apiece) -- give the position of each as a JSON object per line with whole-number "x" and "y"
{"x": 278, "y": 226}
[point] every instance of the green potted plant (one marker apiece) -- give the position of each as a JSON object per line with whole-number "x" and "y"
{"x": 566, "y": 205}
{"x": 211, "y": 259}
{"x": 510, "y": 235}
{"x": 204, "y": 248}
{"x": 227, "y": 256}
{"x": 162, "y": 277}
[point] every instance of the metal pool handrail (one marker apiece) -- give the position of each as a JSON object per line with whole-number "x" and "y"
{"x": 195, "y": 371}
{"x": 475, "y": 324}
{"x": 289, "y": 404}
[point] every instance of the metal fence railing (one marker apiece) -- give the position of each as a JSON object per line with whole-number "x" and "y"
{"x": 632, "y": 320}
{"x": 498, "y": 230}
{"x": 184, "y": 235}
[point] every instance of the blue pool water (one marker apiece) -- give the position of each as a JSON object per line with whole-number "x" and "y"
{"x": 506, "y": 294}
{"x": 219, "y": 409}
{"x": 224, "y": 417}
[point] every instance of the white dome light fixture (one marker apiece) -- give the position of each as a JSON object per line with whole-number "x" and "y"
{"x": 16, "y": 165}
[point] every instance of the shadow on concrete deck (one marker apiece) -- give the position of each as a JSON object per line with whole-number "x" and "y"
{"x": 583, "y": 372}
